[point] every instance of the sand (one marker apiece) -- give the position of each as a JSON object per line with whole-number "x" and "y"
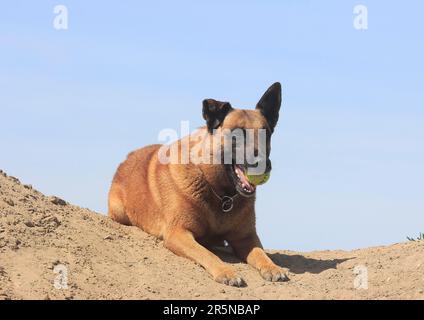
{"x": 50, "y": 249}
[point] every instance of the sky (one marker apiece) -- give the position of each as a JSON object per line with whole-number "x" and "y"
{"x": 348, "y": 151}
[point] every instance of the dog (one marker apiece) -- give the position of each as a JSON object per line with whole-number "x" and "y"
{"x": 193, "y": 206}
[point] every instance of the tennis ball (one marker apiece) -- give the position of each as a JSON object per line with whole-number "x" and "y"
{"x": 258, "y": 179}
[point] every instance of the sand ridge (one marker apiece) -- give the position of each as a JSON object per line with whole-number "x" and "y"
{"x": 50, "y": 249}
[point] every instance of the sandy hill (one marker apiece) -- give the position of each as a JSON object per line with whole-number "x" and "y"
{"x": 43, "y": 239}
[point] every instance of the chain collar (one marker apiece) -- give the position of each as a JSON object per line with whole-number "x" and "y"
{"x": 227, "y": 202}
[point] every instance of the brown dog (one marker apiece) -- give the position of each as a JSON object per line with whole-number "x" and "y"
{"x": 192, "y": 206}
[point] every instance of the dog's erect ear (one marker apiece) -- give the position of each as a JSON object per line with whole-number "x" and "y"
{"x": 214, "y": 112}
{"x": 270, "y": 104}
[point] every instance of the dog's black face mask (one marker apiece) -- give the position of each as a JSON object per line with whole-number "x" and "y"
{"x": 221, "y": 117}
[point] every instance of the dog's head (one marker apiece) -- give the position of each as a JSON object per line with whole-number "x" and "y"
{"x": 249, "y": 135}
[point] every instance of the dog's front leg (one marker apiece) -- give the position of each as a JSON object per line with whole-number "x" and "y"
{"x": 250, "y": 249}
{"x": 183, "y": 243}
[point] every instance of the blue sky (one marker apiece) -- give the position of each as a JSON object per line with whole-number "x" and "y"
{"x": 348, "y": 153}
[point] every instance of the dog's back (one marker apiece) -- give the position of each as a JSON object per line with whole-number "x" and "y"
{"x": 130, "y": 188}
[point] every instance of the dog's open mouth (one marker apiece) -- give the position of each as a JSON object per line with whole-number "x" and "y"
{"x": 242, "y": 184}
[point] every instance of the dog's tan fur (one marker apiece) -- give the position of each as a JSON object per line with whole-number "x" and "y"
{"x": 174, "y": 202}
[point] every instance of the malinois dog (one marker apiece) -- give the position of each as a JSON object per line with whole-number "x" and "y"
{"x": 194, "y": 205}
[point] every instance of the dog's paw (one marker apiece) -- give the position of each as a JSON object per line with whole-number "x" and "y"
{"x": 274, "y": 273}
{"x": 229, "y": 277}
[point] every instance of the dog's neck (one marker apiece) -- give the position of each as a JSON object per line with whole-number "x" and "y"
{"x": 215, "y": 174}
{"x": 217, "y": 177}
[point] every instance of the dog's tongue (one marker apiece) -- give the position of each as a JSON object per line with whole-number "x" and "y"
{"x": 245, "y": 183}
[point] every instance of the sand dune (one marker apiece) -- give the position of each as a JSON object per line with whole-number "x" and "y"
{"x": 50, "y": 249}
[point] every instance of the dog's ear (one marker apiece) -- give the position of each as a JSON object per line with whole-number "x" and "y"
{"x": 270, "y": 104}
{"x": 214, "y": 112}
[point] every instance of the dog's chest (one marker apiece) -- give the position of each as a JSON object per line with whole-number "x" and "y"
{"x": 221, "y": 223}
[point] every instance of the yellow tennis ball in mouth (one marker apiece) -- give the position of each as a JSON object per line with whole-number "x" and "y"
{"x": 258, "y": 179}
